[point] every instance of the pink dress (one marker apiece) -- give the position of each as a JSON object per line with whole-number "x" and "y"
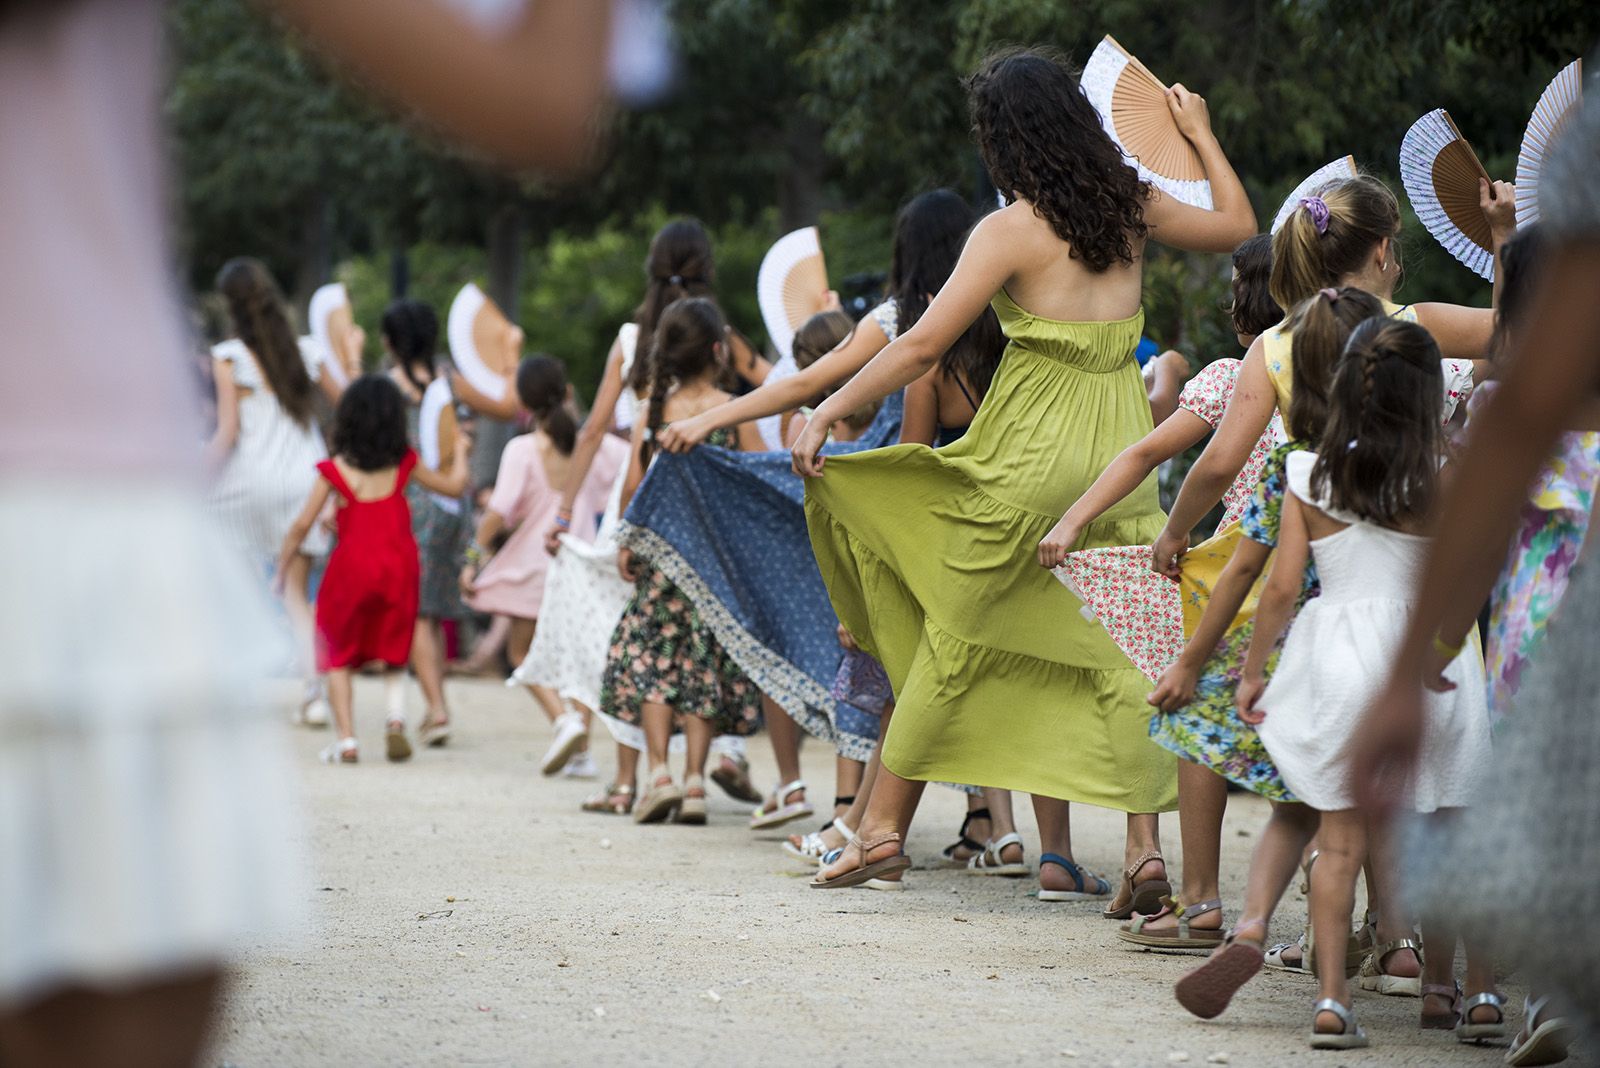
{"x": 512, "y": 584}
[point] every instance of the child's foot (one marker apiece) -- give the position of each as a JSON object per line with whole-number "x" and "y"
{"x": 1483, "y": 1018}
{"x": 1207, "y": 990}
{"x": 1004, "y": 857}
{"x": 976, "y": 829}
{"x": 1441, "y": 1006}
{"x": 732, "y": 776}
{"x": 660, "y": 801}
{"x": 811, "y": 848}
{"x": 1333, "y": 1026}
{"x": 1544, "y": 1036}
{"x": 692, "y": 809}
{"x": 787, "y": 804}
{"x": 397, "y": 747}
{"x": 1063, "y": 879}
{"x": 435, "y": 730}
{"x": 581, "y": 766}
{"x": 571, "y": 734}
{"x": 344, "y": 751}
{"x": 864, "y": 859}
{"x": 614, "y": 800}
{"x": 1144, "y": 887}
{"x": 1394, "y": 969}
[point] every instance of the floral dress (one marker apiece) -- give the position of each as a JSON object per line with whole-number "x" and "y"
{"x": 663, "y": 652}
{"x": 1554, "y": 522}
{"x": 1208, "y": 729}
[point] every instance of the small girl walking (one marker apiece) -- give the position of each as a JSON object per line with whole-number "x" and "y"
{"x": 666, "y": 665}
{"x": 367, "y": 604}
{"x": 1356, "y": 508}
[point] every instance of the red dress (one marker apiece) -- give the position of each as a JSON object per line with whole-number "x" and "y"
{"x": 367, "y": 604}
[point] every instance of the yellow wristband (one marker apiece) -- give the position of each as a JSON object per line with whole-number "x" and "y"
{"x": 1446, "y": 650}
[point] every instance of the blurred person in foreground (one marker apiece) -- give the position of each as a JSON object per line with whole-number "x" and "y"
{"x": 144, "y": 808}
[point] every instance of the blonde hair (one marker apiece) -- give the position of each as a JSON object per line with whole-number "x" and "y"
{"x": 1362, "y": 211}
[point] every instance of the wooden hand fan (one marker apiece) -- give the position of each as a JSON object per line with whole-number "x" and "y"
{"x": 1132, "y": 104}
{"x": 333, "y": 328}
{"x": 479, "y": 335}
{"x": 792, "y": 286}
{"x": 1440, "y": 172}
{"x": 1556, "y": 107}
{"x": 1316, "y": 181}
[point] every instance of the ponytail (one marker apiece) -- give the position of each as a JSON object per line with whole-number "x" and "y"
{"x": 1328, "y": 237}
{"x": 1320, "y": 326}
{"x": 255, "y": 306}
{"x": 679, "y": 265}
{"x": 412, "y": 330}
{"x": 684, "y": 348}
{"x": 542, "y": 389}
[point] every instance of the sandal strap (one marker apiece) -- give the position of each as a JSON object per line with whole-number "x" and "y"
{"x": 973, "y": 814}
{"x": 1080, "y": 876}
{"x": 1191, "y": 911}
{"x": 1133, "y": 869}
{"x": 1338, "y": 1008}
{"x": 796, "y": 787}
{"x": 845, "y": 829}
{"x": 844, "y": 802}
{"x": 1488, "y": 997}
{"x": 866, "y": 846}
{"x": 1380, "y": 952}
{"x": 1441, "y": 990}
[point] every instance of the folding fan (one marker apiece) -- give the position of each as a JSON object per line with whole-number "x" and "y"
{"x": 1556, "y": 107}
{"x": 1323, "y": 176}
{"x": 1441, "y": 173}
{"x": 1132, "y": 104}
{"x": 792, "y": 286}
{"x": 333, "y": 328}
{"x": 477, "y": 330}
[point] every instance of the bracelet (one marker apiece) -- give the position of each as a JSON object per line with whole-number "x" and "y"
{"x": 564, "y": 522}
{"x": 475, "y": 554}
{"x": 1445, "y": 649}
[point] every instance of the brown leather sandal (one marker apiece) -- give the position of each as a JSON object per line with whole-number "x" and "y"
{"x": 1144, "y": 898}
{"x": 866, "y": 872}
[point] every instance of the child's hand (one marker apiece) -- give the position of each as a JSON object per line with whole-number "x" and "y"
{"x": 848, "y": 640}
{"x": 627, "y": 565}
{"x": 1166, "y": 555}
{"x": 1434, "y": 665}
{"x": 1175, "y": 688}
{"x": 1248, "y": 699}
{"x": 806, "y": 456}
{"x": 683, "y": 434}
{"x": 1058, "y": 543}
{"x": 469, "y": 580}
{"x": 1499, "y": 203}
{"x": 552, "y": 539}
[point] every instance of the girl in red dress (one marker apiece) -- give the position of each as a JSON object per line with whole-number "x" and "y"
{"x": 367, "y": 605}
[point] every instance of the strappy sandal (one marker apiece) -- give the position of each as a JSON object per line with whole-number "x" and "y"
{"x": 344, "y": 751}
{"x": 1274, "y": 958}
{"x": 1373, "y": 977}
{"x": 660, "y": 801}
{"x": 434, "y": 734}
{"x": 614, "y": 800}
{"x": 991, "y": 862}
{"x": 732, "y": 776}
{"x": 965, "y": 841}
{"x": 1440, "y": 1021}
{"x": 1085, "y": 883}
{"x": 1543, "y": 1039}
{"x": 396, "y": 746}
{"x": 864, "y": 872}
{"x": 812, "y": 848}
{"x": 692, "y": 809}
{"x": 1145, "y": 897}
{"x": 1207, "y": 990}
{"x": 1352, "y": 1037}
{"x": 1471, "y": 1032}
{"x": 775, "y": 813}
{"x": 1187, "y": 939}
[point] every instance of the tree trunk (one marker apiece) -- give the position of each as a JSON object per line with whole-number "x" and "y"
{"x": 399, "y": 273}
{"x": 316, "y": 250}
{"x": 507, "y": 256}
{"x": 800, "y": 187}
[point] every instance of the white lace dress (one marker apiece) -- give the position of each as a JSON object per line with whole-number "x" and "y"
{"x": 1338, "y": 654}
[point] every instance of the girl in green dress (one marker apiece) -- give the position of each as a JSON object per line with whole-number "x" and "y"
{"x": 929, "y": 555}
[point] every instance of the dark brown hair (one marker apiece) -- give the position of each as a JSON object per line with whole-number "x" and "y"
{"x": 1379, "y": 454}
{"x": 1043, "y": 142}
{"x": 678, "y": 265}
{"x": 1252, "y": 308}
{"x": 369, "y": 427}
{"x": 255, "y": 305}
{"x": 1320, "y": 327}
{"x": 542, "y": 389}
{"x": 412, "y": 330}
{"x": 820, "y": 335}
{"x": 1362, "y": 211}
{"x": 684, "y": 348}
{"x": 1520, "y": 260}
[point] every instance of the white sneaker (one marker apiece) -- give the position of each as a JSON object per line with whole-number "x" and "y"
{"x": 317, "y": 713}
{"x": 581, "y": 766}
{"x": 570, "y": 736}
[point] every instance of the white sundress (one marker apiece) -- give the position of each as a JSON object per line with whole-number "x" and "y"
{"x": 1338, "y": 655}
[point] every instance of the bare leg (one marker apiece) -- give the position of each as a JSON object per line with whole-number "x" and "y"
{"x": 657, "y": 735}
{"x": 847, "y": 775}
{"x": 698, "y": 733}
{"x": 1055, "y": 836}
{"x": 1272, "y": 866}
{"x": 341, "y": 696}
{"x": 156, "y": 1025}
{"x": 627, "y": 764}
{"x": 1394, "y": 922}
{"x": 427, "y": 663}
{"x": 297, "y": 606}
{"x": 1202, "y": 800}
{"x": 518, "y": 638}
{"x": 785, "y": 735}
{"x": 894, "y": 803}
{"x": 1333, "y": 901}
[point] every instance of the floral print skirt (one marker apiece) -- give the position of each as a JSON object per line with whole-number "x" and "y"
{"x": 663, "y": 652}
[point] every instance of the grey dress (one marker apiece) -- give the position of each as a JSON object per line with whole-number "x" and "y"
{"x": 441, "y": 526}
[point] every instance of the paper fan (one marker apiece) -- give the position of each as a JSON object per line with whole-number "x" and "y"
{"x": 333, "y": 327}
{"x": 1317, "y": 179}
{"x": 1441, "y": 173}
{"x": 1132, "y": 104}
{"x": 1556, "y": 107}
{"x": 792, "y": 285}
{"x": 435, "y": 399}
{"x": 1141, "y": 610}
{"x": 477, "y": 332}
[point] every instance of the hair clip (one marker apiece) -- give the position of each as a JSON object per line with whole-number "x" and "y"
{"x": 1317, "y": 208}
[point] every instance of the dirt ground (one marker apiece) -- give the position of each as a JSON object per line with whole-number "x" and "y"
{"x": 463, "y": 911}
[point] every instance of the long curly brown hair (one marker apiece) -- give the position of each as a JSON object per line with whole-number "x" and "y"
{"x": 1043, "y": 142}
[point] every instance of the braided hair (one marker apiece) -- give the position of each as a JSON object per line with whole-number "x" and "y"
{"x": 684, "y": 348}
{"x": 1379, "y": 455}
{"x": 412, "y": 329}
{"x": 261, "y": 322}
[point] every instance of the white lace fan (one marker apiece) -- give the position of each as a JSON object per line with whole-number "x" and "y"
{"x": 792, "y": 285}
{"x": 474, "y": 320}
{"x": 1441, "y": 173}
{"x": 332, "y": 322}
{"x": 1556, "y": 107}
{"x": 1132, "y": 103}
{"x": 1317, "y": 179}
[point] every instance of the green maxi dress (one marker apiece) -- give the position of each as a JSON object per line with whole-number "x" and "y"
{"x": 929, "y": 557}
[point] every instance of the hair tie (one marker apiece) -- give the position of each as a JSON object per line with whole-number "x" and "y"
{"x": 1317, "y": 208}
{"x": 676, "y": 280}
{"x": 1329, "y": 294}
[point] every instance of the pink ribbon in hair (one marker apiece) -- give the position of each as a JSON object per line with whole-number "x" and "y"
{"x": 1317, "y": 208}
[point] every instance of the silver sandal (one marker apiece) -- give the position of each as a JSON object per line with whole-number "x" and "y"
{"x": 1352, "y": 1037}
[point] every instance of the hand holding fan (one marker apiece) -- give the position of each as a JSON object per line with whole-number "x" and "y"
{"x": 1556, "y": 107}
{"x": 333, "y": 328}
{"x": 1132, "y": 103}
{"x": 484, "y": 344}
{"x": 1342, "y": 168}
{"x": 792, "y": 286}
{"x": 1441, "y": 174}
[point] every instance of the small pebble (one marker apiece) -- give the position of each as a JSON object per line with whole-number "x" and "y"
{"x": 1218, "y": 1058}
{"x": 599, "y": 1010}
{"x": 743, "y": 938}
{"x": 1177, "y": 1056}
{"x": 713, "y": 997}
{"x": 1070, "y": 1054}
{"x": 605, "y": 843}
{"x": 563, "y": 964}
{"x": 450, "y": 900}
{"x": 483, "y": 1008}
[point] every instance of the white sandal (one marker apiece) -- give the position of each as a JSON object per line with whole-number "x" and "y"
{"x": 812, "y": 847}
{"x": 765, "y": 818}
{"x": 345, "y": 751}
{"x": 988, "y": 861}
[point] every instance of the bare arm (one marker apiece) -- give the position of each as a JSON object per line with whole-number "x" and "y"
{"x": 507, "y": 408}
{"x": 299, "y": 529}
{"x": 1249, "y": 411}
{"x": 590, "y": 436}
{"x": 1120, "y": 478}
{"x": 1177, "y": 684}
{"x": 329, "y": 385}
{"x": 451, "y": 482}
{"x": 227, "y": 432}
{"x": 1172, "y": 371}
{"x": 865, "y": 342}
{"x": 528, "y": 97}
{"x": 920, "y": 424}
{"x": 1231, "y": 219}
{"x": 1277, "y": 604}
{"x": 626, "y": 566}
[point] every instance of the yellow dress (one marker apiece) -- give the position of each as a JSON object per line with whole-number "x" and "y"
{"x": 930, "y": 560}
